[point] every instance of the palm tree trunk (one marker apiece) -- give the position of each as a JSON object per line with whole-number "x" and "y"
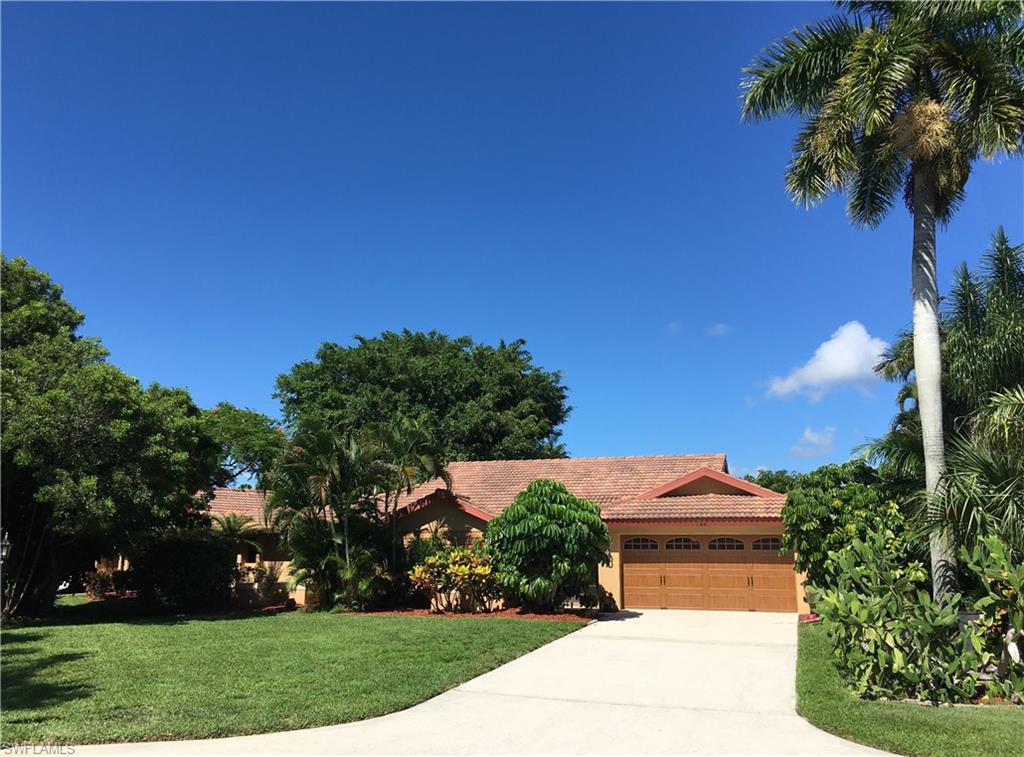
{"x": 928, "y": 366}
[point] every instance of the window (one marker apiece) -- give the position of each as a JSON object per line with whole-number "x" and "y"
{"x": 767, "y": 544}
{"x": 640, "y": 542}
{"x": 682, "y": 543}
{"x": 725, "y": 543}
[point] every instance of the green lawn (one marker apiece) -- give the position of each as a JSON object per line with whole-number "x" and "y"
{"x": 899, "y": 727}
{"x": 86, "y": 679}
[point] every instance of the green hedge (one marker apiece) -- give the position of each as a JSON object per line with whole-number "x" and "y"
{"x": 185, "y": 571}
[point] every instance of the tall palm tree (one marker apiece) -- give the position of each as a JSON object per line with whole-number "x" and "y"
{"x": 898, "y": 99}
{"x": 408, "y": 456}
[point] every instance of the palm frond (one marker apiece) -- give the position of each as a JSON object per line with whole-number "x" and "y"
{"x": 796, "y": 74}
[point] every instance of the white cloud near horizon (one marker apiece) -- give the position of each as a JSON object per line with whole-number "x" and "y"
{"x": 814, "y": 443}
{"x": 719, "y": 329}
{"x": 848, "y": 357}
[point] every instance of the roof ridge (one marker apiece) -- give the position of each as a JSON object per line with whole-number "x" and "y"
{"x": 665, "y": 455}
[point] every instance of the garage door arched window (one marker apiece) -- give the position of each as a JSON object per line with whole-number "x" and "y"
{"x": 767, "y": 544}
{"x": 682, "y": 543}
{"x": 638, "y": 543}
{"x": 726, "y": 544}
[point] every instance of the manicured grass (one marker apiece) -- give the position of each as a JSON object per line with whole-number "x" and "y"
{"x": 145, "y": 679}
{"x": 900, "y": 727}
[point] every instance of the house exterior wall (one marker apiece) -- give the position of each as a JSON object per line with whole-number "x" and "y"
{"x": 610, "y": 577}
{"x": 443, "y": 517}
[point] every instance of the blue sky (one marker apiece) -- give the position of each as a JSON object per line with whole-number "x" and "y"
{"x": 222, "y": 187}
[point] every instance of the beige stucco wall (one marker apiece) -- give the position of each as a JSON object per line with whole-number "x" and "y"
{"x": 444, "y": 518}
{"x": 610, "y": 577}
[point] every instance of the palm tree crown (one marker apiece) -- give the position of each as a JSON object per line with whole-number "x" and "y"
{"x": 889, "y": 85}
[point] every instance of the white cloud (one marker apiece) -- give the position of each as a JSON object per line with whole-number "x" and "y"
{"x": 814, "y": 443}
{"x": 848, "y": 357}
{"x": 674, "y": 327}
{"x": 719, "y": 329}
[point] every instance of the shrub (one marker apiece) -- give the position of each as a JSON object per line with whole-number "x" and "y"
{"x": 832, "y": 506}
{"x": 98, "y": 583}
{"x": 318, "y": 563}
{"x": 185, "y": 571}
{"x": 1002, "y": 612}
{"x": 890, "y": 639}
{"x": 547, "y": 545}
{"x": 460, "y": 579}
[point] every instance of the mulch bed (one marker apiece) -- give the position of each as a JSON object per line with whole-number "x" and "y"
{"x": 573, "y": 615}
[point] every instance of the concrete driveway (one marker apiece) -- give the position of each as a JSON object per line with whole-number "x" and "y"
{"x": 661, "y": 681}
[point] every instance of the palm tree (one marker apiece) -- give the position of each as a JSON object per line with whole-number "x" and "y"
{"x": 982, "y": 330}
{"x": 324, "y": 476}
{"x": 237, "y": 529}
{"x": 898, "y": 99}
{"x": 408, "y": 457}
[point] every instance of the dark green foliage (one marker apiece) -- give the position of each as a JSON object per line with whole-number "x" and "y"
{"x": 185, "y": 571}
{"x": 897, "y": 727}
{"x": 780, "y": 481}
{"x": 249, "y": 441}
{"x": 890, "y": 91}
{"x": 479, "y": 402}
{"x": 829, "y": 508}
{"x": 982, "y": 329}
{"x": 91, "y": 459}
{"x": 547, "y": 545}
{"x": 1001, "y": 575}
{"x": 891, "y": 639}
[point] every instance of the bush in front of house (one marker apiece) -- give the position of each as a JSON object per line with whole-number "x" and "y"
{"x": 893, "y": 641}
{"x": 185, "y": 571}
{"x": 547, "y": 545}
{"x": 1001, "y": 609}
{"x": 829, "y": 508}
{"x": 459, "y": 579}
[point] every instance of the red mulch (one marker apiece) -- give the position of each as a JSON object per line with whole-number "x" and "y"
{"x": 810, "y": 617}
{"x": 576, "y": 615}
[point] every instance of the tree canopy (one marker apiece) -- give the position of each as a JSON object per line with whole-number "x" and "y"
{"x": 249, "y": 441}
{"x": 480, "y": 402}
{"x": 90, "y": 458}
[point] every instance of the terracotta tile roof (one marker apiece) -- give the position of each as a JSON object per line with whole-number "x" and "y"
{"x": 697, "y": 506}
{"x": 492, "y": 485}
{"x": 241, "y": 501}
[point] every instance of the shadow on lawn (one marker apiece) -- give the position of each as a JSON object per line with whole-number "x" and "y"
{"x": 122, "y": 610}
{"x": 31, "y": 684}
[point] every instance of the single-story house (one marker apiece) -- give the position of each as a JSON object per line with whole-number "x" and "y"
{"x": 685, "y": 534}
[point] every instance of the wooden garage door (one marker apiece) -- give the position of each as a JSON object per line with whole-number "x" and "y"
{"x": 707, "y": 573}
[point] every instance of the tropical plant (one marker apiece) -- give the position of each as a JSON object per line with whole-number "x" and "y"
{"x": 407, "y": 456}
{"x": 898, "y": 100}
{"x": 1002, "y": 612}
{"x": 891, "y": 639}
{"x": 460, "y": 579}
{"x": 982, "y": 330}
{"x": 323, "y": 500}
{"x": 238, "y": 530}
{"x": 832, "y": 506}
{"x": 547, "y": 545}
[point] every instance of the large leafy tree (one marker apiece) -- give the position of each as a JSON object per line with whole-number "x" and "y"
{"x": 250, "y": 441}
{"x": 480, "y": 402}
{"x": 897, "y": 100}
{"x": 91, "y": 460}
